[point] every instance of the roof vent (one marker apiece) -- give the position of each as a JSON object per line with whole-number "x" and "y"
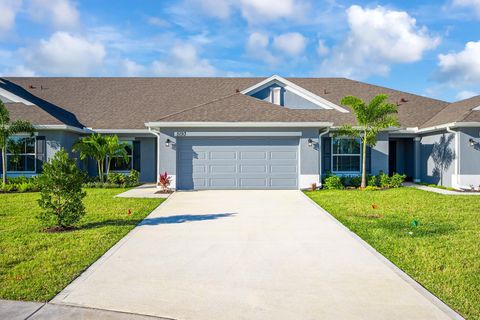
{"x": 275, "y": 95}
{"x": 403, "y": 100}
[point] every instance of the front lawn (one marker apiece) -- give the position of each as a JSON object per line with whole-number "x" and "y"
{"x": 35, "y": 265}
{"x": 442, "y": 252}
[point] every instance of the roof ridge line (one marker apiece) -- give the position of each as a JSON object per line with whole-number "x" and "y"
{"x": 198, "y": 106}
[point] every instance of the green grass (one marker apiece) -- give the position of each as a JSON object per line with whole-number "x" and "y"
{"x": 35, "y": 265}
{"x": 442, "y": 253}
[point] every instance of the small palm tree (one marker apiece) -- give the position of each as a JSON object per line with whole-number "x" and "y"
{"x": 377, "y": 115}
{"x": 8, "y": 129}
{"x": 93, "y": 146}
{"x": 115, "y": 149}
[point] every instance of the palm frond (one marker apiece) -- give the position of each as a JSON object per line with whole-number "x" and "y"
{"x": 347, "y": 131}
{"x": 21, "y": 126}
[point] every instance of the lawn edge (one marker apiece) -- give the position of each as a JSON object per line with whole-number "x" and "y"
{"x": 65, "y": 292}
{"x": 412, "y": 282}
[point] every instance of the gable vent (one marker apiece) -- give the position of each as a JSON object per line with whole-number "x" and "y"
{"x": 275, "y": 95}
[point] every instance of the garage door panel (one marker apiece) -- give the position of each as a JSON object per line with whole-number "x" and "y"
{"x": 253, "y": 155}
{"x": 254, "y": 182}
{"x": 237, "y": 163}
{"x": 253, "y": 169}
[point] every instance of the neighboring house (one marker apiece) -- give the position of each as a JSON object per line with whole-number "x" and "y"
{"x": 243, "y": 133}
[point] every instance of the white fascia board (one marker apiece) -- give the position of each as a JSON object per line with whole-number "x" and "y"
{"x": 59, "y": 127}
{"x": 292, "y": 87}
{"x": 113, "y": 131}
{"x": 13, "y": 97}
{"x": 200, "y": 124}
{"x": 476, "y": 109}
{"x": 449, "y": 125}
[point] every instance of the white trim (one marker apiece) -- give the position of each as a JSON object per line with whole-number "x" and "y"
{"x": 456, "y": 182}
{"x": 157, "y": 135}
{"x": 59, "y": 127}
{"x": 465, "y": 180}
{"x": 200, "y": 124}
{"x": 446, "y": 125}
{"x": 306, "y": 180}
{"x": 13, "y": 97}
{"x": 476, "y": 108}
{"x": 292, "y": 87}
{"x": 119, "y": 130}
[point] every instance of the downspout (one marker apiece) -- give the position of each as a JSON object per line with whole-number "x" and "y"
{"x": 157, "y": 134}
{"x": 320, "y": 136}
{"x": 457, "y": 159}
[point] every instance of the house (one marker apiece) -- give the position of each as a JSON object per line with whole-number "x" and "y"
{"x": 243, "y": 133}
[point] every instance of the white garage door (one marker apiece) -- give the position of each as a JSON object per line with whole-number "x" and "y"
{"x": 237, "y": 163}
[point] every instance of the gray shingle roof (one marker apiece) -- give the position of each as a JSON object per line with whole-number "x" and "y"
{"x": 127, "y": 103}
{"x": 460, "y": 111}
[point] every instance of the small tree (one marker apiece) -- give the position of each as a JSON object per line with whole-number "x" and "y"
{"x": 378, "y": 114}
{"x": 61, "y": 192}
{"x": 115, "y": 149}
{"x": 93, "y": 146}
{"x": 164, "y": 181}
{"x": 8, "y": 129}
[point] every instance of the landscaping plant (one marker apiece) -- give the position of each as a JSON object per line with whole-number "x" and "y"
{"x": 333, "y": 183}
{"x": 372, "y": 117}
{"x": 8, "y": 129}
{"x": 164, "y": 181}
{"x": 61, "y": 195}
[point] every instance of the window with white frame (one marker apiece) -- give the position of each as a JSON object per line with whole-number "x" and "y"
{"x": 119, "y": 163}
{"x": 21, "y": 154}
{"x": 345, "y": 155}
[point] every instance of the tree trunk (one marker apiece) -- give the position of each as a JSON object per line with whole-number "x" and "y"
{"x": 364, "y": 164}
{"x": 100, "y": 173}
{"x": 4, "y": 165}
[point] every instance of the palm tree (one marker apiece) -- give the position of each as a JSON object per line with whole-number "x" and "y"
{"x": 8, "y": 129}
{"x": 93, "y": 146}
{"x": 377, "y": 115}
{"x": 115, "y": 149}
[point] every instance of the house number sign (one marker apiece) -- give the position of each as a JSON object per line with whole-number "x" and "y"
{"x": 180, "y": 133}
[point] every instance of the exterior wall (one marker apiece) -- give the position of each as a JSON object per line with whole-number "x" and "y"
{"x": 469, "y": 159}
{"x": 437, "y": 171}
{"x": 379, "y": 154}
{"x": 309, "y": 156}
{"x": 287, "y": 99}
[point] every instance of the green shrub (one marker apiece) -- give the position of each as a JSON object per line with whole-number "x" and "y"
{"x": 371, "y": 188}
{"x": 23, "y": 187}
{"x": 116, "y": 178}
{"x": 333, "y": 183}
{"x": 353, "y": 181}
{"x": 61, "y": 195}
{"x": 372, "y": 181}
{"x": 134, "y": 178}
{"x": 384, "y": 180}
{"x": 396, "y": 180}
{"x": 5, "y": 187}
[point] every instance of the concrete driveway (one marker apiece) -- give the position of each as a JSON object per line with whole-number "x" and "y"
{"x": 248, "y": 255}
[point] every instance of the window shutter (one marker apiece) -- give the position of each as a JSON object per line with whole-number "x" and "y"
{"x": 41, "y": 155}
{"x": 136, "y": 155}
{"x": 369, "y": 160}
{"x": 327, "y": 155}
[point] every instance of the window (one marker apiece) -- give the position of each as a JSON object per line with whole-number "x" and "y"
{"x": 345, "y": 155}
{"x": 119, "y": 163}
{"x": 21, "y": 154}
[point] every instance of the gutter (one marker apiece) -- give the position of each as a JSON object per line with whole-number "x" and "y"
{"x": 201, "y": 124}
{"x": 320, "y": 136}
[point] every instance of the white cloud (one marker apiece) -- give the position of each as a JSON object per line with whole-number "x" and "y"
{"x": 158, "y": 22}
{"x": 291, "y": 43}
{"x": 460, "y": 67}
{"x": 8, "y": 12}
{"x": 65, "y": 54}
{"x": 183, "y": 60}
{"x": 377, "y": 38}
{"x": 465, "y": 94}
{"x": 474, "y": 4}
{"x": 61, "y": 13}
{"x": 257, "y": 47}
{"x": 259, "y": 11}
{"x": 130, "y": 68}
{"x": 322, "y": 48}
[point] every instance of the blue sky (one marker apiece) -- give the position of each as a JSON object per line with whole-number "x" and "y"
{"x": 430, "y": 48}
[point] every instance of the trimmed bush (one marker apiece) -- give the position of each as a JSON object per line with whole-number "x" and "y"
{"x": 333, "y": 183}
{"x": 396, "y": 180}
{"x": 61, "y": 195}
{"x": 384, "y": 180}
{"x": 372, "y": 181}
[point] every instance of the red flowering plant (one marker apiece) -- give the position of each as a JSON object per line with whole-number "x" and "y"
{"x": 164, "y": 182}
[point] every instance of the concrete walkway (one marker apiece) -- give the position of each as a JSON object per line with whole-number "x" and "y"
{"x": 143, "y": 191}
{"x": 20, "y": 310}
{"x": 248, "y": 255}
{"x": 440, "y": 191}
